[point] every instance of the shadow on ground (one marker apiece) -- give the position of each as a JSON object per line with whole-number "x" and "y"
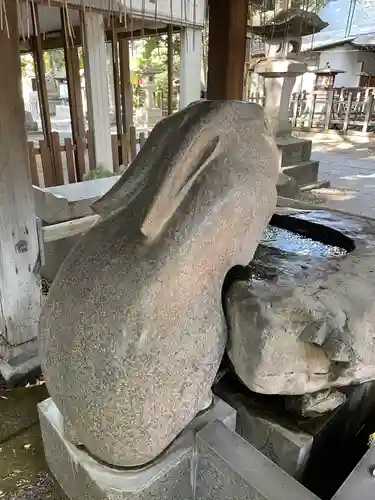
{"x": 24, "y": 474}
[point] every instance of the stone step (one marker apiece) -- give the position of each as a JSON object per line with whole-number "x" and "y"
{"x": 293, "y": 150}
{"x": 304, "y": 173}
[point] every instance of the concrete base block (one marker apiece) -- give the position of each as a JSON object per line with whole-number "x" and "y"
{"x": 287, "y": 447}
{"x": 230, "y": 468}
{"x": 304, "y": 172}
{"x": 170, "y": 476}
{"x": 283, "y": 442}
{"x": 293, "y": 150}
{"x": 287, "y": 187}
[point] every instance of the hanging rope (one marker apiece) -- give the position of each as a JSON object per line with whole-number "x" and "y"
{"x": 4, "y": 17}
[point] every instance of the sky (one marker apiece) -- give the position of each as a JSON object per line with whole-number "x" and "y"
{"x": 336, "y": 13}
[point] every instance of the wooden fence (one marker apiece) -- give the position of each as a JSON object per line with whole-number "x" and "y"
{"x": 341, "y": 109}
{"x": 57, "y": 163}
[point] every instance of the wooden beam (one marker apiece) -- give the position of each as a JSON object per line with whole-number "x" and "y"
{"x": 75, "y": 98}
{"x": 70, "y": 228}
{"x": 57, "y": 41}
{"x": 226, "y": 48}
{"x": 20, "y": 297}
{"x": 170, "y": 69}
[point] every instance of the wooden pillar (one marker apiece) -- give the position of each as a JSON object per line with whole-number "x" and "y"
{"x": 116, "y": 82}
{"x": 97, "y": 86}
{"x": 246, "y": 69}
{"x": 126, "y": 87}
{"x": 226, "y": 48}
{"x": 190, "y": 70}
{"x": 75, "y": 98}
{"x": 41, "y": 75}
{"x": 19, "y": 251}
{"x": 170, "y": 69}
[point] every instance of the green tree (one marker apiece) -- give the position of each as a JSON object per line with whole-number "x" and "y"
{"x": 154, "y": 53}
{"x": 54, "y": 60}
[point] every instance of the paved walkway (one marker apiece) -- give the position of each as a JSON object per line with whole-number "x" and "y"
{"x": 350, "y": 168}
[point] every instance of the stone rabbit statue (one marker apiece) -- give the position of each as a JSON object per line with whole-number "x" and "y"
{"x": 132, "y": 332}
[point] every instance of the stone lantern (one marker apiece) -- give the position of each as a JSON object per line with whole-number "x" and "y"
{"x": 279, "y": 68}
{"x": 325, "y": 77}
{"x": 283, "y": 62}
{"x": 152, "y": 112}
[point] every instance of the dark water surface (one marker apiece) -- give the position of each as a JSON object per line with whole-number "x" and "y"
{"x": 290, "y": 242}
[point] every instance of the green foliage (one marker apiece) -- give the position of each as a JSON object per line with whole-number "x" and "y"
{"x": 154, "y": 53}
{"x": 27, "y": 64}
{"x": 54, "y": 60}
{"x": 98, "y": 174}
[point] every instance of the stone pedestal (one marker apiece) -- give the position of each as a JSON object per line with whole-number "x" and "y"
{"x": 279, "y": 75}
{"x": 154, "y": 115}
{"x": 170, "y": 476}
{"x": 208, "y": 461}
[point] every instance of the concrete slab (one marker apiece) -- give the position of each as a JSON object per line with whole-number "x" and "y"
{"x": 63, "y": 203}
{"x": 70, "y": 201}
{"x": 230, "y": 468}
{"x": 361, "y": 482}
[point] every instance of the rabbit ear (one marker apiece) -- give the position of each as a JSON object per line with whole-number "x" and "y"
{"x": 183, "y": 175}
{"x": 135, "y": 177}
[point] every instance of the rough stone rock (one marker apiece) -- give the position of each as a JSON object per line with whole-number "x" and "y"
{"x": 302, "y": 315}
{"x": 314, "y": 404}
{"x": 133, "y": 330}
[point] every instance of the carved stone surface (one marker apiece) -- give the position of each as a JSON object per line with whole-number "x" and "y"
{"x": 316, "y": 403}
{"x": 302, "y": 315}
{"x": 133, "y": 331}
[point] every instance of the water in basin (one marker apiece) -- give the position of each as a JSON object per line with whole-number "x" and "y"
{"x": 291, "y": 242}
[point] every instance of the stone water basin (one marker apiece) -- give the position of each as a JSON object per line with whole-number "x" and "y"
{"x": 301, "y": 315}
{"x": 301, "y": 320}
{"x": 304, "y": 238}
